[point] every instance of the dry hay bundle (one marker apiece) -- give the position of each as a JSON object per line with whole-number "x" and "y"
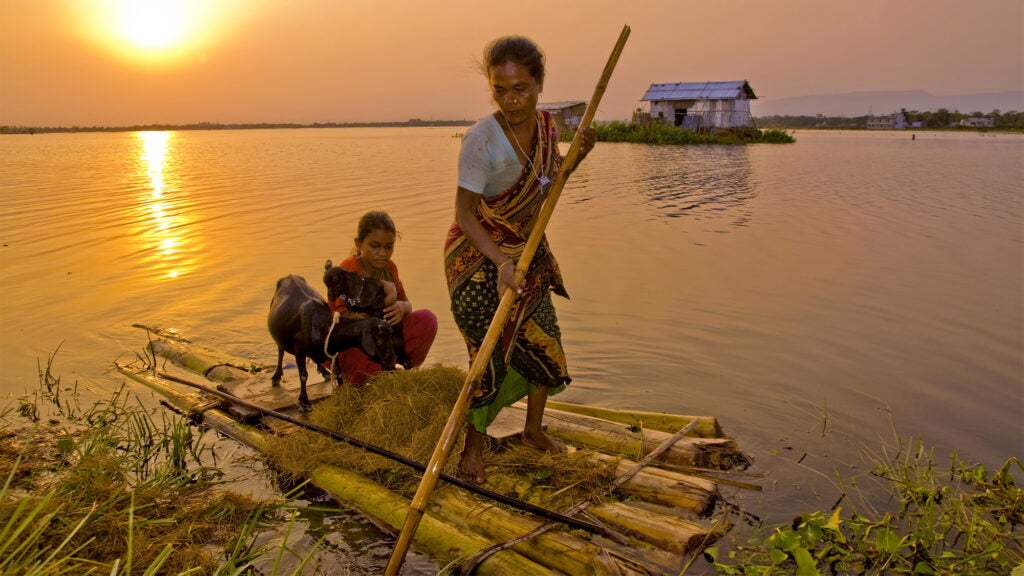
{"x": 405, "y": 411}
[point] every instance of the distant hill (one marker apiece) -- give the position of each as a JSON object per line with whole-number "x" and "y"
{"x": 879, "y": 103}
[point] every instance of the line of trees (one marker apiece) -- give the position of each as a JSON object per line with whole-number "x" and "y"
{"x": 941, "y": 118}
{"x": 218, "y": 126}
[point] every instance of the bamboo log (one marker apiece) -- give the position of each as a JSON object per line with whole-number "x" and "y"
{"x": 671, "y": 533}
{"x": 483, "y": 354}
{"x": 707, "y": 426}
{"x": 667, "y": 488}
{"x": 653, "y": 485}
{"x": 666, "y": 532}
{"x": 444, "y": 541}
{"x": 200, "y": 363}
{"x": 617, "y": 438}
{"x": 557, "y": 550}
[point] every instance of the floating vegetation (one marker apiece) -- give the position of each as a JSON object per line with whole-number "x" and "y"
{"x": 657, "y": 133}
{"x": 943, "y": 520}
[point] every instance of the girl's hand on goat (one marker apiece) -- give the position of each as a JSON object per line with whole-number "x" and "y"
{"x": 394, "y": 313}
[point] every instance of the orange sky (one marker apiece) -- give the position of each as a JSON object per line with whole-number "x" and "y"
{"x": 83, "y": 62}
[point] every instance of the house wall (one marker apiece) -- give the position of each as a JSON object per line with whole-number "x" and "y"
{"x": 568, "y": 119}
{"x": 704, "y": 114}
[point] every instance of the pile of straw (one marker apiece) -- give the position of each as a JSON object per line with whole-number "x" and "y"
{"x": 405, "y": 412}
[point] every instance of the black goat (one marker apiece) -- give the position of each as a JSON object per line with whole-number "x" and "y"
{"x": 302, "y": 324}
{"x": 363, "y": 297}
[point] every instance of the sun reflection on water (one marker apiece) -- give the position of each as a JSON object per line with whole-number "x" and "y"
{"x": 164, "y": 238}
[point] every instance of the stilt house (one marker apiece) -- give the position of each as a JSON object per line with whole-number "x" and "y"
{"x": 700, "y": 106}
{"x": 567, "y": 115}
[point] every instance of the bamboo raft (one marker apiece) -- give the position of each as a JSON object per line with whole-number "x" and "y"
{"x": 658, "y": 528}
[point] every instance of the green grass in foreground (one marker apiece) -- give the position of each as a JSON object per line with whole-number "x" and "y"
{"x": 115, "y": 491}
{"x": 656, "y": 133}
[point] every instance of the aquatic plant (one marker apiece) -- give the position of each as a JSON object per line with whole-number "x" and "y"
{"x": 657, "y": 133}
{"x": 949, "y": 521}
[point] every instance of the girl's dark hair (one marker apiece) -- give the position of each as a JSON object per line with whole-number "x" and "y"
{"x": 375, "y": 220}
{"x": 518, "y": 49}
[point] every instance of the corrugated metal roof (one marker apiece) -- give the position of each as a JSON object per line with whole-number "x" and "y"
{"x": 699, "y": 91}
{"x": 559, "y": 105}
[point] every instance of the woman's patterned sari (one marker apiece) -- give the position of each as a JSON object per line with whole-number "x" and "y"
{"x": 531, "y": 340}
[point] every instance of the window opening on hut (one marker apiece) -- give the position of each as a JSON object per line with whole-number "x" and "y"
{"x": 680, "y": 116}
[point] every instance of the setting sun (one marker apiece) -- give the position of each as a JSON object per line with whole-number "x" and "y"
{"x": 151, "y": 31}
{"x": 152, "y": 24}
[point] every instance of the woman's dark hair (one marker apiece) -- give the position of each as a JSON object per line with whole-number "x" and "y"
{"x": 518, "y": 49}
{"x": 375, "y": 220}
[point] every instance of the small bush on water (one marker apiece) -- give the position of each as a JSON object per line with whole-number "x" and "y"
{"x": 111, "y": 490}
{"x": 954, "y": 521}
{"x": 658, "y": 133}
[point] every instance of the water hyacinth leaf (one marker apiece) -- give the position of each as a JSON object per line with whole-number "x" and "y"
{"x": 805, "y": 564}
{"x": 833, "y": 522}
{"x": 923, "y": 568}
{"x": 886, "y": 540}
{"x": 777, "y": 556}
{"x": 785, "y": 540}
{"x": 811, "y": 532}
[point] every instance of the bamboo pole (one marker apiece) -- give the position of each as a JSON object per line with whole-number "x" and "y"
{"x": 476, "y": 370}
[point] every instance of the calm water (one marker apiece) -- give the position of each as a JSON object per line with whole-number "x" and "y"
{"x": 819, "y": 298}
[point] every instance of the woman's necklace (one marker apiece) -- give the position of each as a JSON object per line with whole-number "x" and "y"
{"x": 543, "y": 179}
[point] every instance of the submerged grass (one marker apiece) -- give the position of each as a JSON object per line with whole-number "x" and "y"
{"x": 114, "y": 490}
{"x": 426, "y": 396}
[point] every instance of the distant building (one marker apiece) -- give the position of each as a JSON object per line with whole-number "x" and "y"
{"x": 891, "y": 122}
{"x": 567, "y": 115}
{"x": 977, "y": 122}
{"x": 699, "y": 106}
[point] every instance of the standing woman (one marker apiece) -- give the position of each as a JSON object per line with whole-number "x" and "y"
{"x": 371, "y": 257}
{"x": 508, "y": 162}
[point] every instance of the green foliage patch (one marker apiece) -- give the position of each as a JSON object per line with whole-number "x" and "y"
{"x": 960, "y": 520}
{"x": 658, "y": 133}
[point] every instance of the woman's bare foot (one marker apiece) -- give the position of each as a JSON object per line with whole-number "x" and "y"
{"x": 540, "y": 441}
{"x": 471, "y": 466}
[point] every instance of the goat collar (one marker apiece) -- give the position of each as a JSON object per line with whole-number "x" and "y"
{"x": 335, "y": 318}
{"x": 352, "y": 301}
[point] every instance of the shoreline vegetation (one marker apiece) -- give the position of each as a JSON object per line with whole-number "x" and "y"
{"x": 412, "y": 122}
{"x": 770, "y": 129}
{"x": 117, "y": 489}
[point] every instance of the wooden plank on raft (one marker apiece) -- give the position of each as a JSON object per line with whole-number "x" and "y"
{"x": 281, "y": 398}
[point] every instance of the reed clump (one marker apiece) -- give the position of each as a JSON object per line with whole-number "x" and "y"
{"x": 111, "y": 489}
{"x": 405, "y": 412}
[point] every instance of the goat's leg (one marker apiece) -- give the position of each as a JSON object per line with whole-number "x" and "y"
{"x": 324, "y": 371}
{"x": 275, "y": 380}
{"x": 304, "y": 404}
